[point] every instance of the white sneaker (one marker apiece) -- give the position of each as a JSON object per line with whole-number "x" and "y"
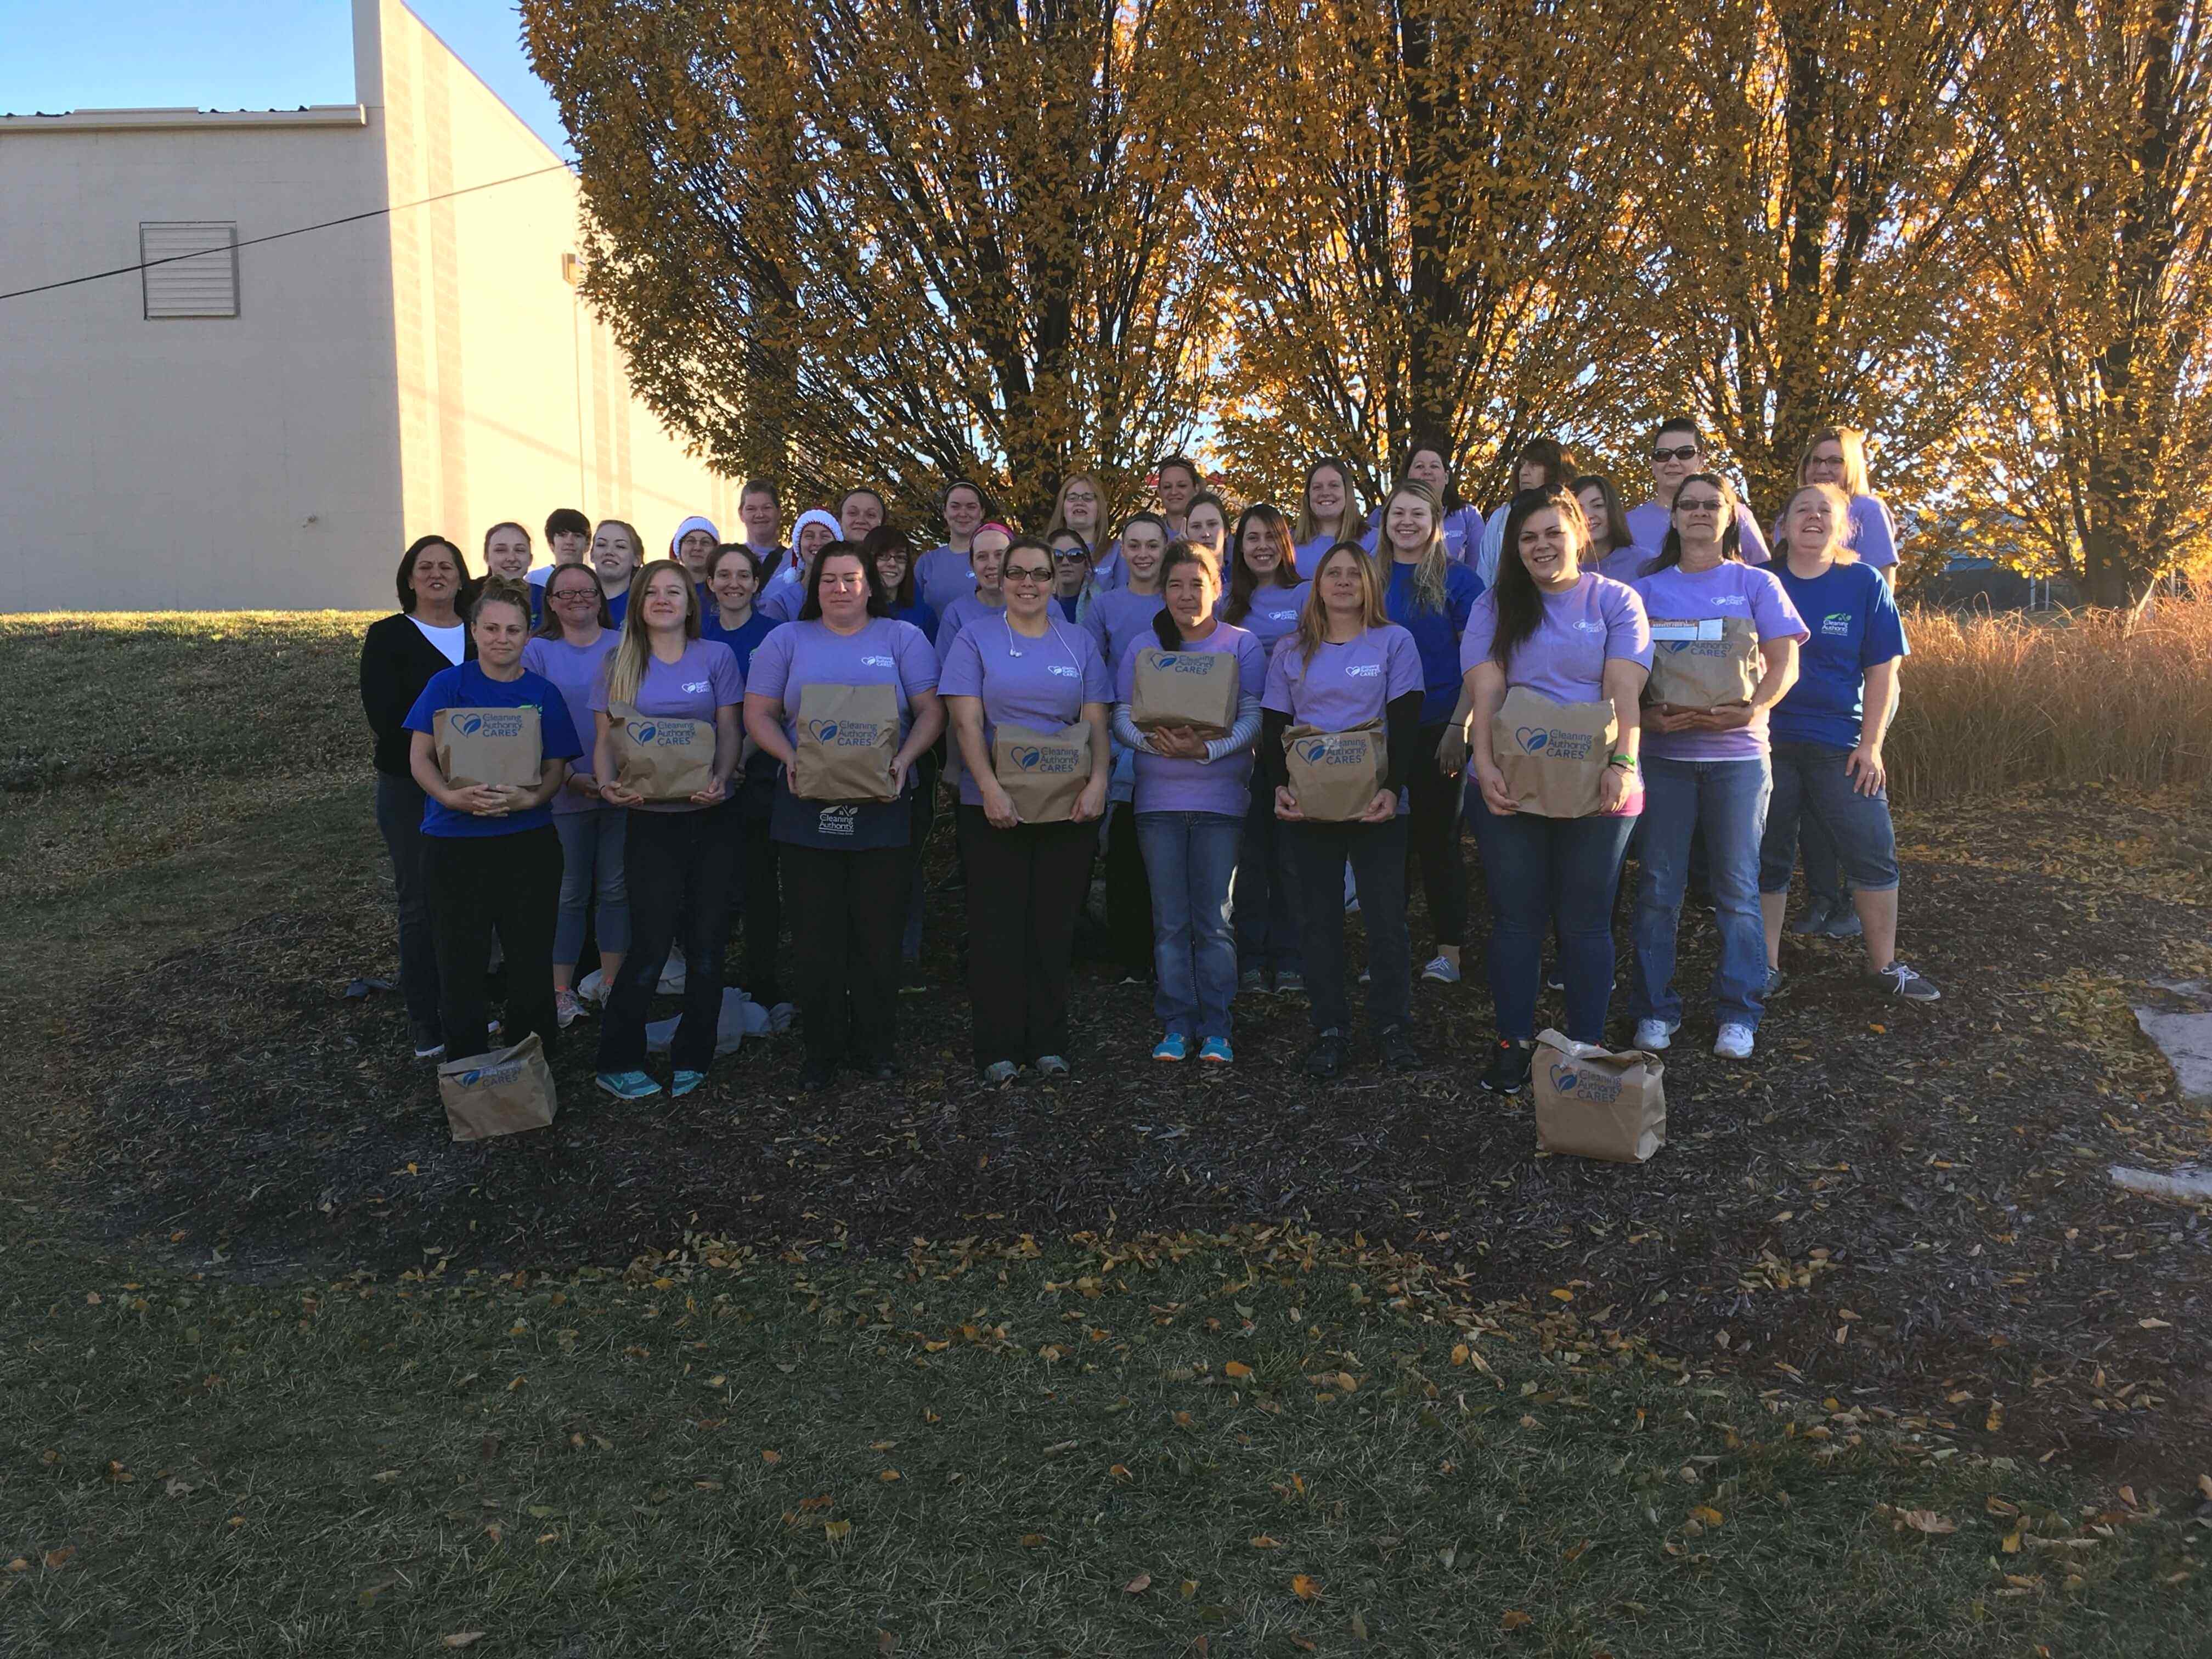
{"x": 1654, "y": 1035}
{"x": 1734, "y": 1043}
{"x": 1440, "y": 969}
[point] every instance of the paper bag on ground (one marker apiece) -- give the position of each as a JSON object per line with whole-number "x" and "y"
{"x": 1595, "y": 1103}
{"x": 1553, "y": 754}
{"x": 1700, "y": 665}
{"x": 488, "y": 745}
{"x": 1043, "y": 772}
{"x": 662, "y": 759}
{"x": 501, "y": 1093}
{"x": 849, "y": 736}
{"x": 1335, "y": 775}
{"x": 1197, "y": 688}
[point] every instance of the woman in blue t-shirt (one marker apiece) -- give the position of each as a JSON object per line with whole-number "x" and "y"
{"x": 680, "y": 856}
{"x": 1428, "y": 595}
{"x": 493, "y": 862}
{"x": 1828, "y": 732}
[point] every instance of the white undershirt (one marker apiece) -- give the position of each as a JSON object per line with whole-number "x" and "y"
{"x": 453, "y": 641}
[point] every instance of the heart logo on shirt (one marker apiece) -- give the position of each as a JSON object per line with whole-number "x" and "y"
{"x": 1026, "y": 759}
{"x": 468, "y": 724}
{"x": 1531, "y": 739}
{"x": 824, "y": 730}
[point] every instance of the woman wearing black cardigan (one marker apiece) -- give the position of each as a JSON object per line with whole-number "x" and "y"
{"x": 398, "y": 658}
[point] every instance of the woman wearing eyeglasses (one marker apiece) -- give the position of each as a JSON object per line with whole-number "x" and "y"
{"x": 1706, "y": 770}
{"x": 1025, "y": 667}
{"x": 570, "y": 649}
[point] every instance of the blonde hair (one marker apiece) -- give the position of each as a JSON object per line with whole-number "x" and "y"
{"x": 1058, "y": 522}
{"x": 1852, "y": 441}
{"x": 1429, "y": 569}
{"x": 1839, "y": 537}
{"x": 626, "y": 667}
{"x": 1349, "y": 523}
{"x": 1312, "y": 618}
{"x": 501, "y": 590}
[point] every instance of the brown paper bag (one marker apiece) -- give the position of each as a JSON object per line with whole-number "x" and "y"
{"x": 501, "y": 1093}
{"x": 662, "y": 759}
{"x": 849, "y": 736}
{"x": 1553, "y": 754}
{"x": 1197, "y": 688}
{"x": 1702, "y": 665}
{"x": 489, "y": 745}
{"x": 1043, "y": 774}
{"x": 1595, "y": 1103}
{"x": 1335, "y": 775}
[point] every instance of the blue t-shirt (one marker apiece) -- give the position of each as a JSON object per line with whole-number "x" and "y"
{"x": 920, "y": 615}
{"x": 1854, "y": 625}
{"x": 467, "y": 686}
{"x": 742, "y": 639}
{"x": 1435, "y": 632}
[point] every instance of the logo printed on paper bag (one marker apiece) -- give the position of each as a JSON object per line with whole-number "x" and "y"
{"x": 1585, "y": 1086}
{"x": 1531, "y": 739}
{"x": 846, "y": 734}
{"x": 1176, "y": 662}
{"x": 643, "y": 733}
{"x": 1555, "y": 745}
{"x": 466, "y": 724}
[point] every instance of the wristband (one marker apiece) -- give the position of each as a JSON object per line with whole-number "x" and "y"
{"x": 1627, "y": 763}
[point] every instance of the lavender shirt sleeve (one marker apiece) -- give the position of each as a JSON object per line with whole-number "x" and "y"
{"x": 729, "y": 681}
{"x": 962, "y": 673}
{"x": 1097, "y": 683}
{"x": 1275, "y": 693}
{"x": 1875, "y": 540}
{"x": 917, "y": 659}
{"x": 1481, "y": 628}
{"x": 1754, "y": 547}
{"x": 1627, "y": 629}
{"x": 772, "y": 664}
{"x": 1771, "y": 610}
{"x": 1402, "y": 660}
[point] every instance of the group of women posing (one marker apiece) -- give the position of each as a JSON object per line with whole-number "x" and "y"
{"x": 1398, "y": 637}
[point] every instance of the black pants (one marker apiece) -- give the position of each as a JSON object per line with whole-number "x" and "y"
{"x": 760, "y": 884}
{"x": 1128, "y": 896}
{"x": 682, "y": 869}
{"x": 400, "y": 821}
{"x": 1024, "y": 887}
{"x": 1432, "y": 826}
{"x": 845, "y": 956}
{"x": 1377, "y": 855}
{"x": 479, "y": 884}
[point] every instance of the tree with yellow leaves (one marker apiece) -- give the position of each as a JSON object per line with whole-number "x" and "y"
{"x": 864, "y": 241}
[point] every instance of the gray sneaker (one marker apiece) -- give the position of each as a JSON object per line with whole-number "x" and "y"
{"x": 1813, "y": 919}
{"x": 1251, "y": 983}
{"x": 1289, "y": 982}
{"x": 1842, "y": 922}
{"x": 1900, "y": 981}
{"x": 999, "y": 1073}
{"x": 1051, "y": 1066}
{"x": 1776, "y": 979}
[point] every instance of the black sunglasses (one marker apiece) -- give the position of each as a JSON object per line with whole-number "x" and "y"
{"x": 1682, "y": 453}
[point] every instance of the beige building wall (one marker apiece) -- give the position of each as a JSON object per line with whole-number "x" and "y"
{"x": 429, "y": 370}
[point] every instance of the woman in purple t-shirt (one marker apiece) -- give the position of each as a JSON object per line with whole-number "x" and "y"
{"x": 1025, "y": 881}
{"x": 1705, "y": 773}
{"x": 680, "y": 858}
{"x": 1349, "y": 665}
{"x": 1571, "y": 635}
{"x": 1266, "y": 597}
{"x": 1191, "y": 794}
{"x": 845, "y": 861}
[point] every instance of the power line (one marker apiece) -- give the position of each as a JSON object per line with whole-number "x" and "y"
{"x": 278, "y": 236}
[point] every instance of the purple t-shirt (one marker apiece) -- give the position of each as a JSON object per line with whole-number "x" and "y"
{"x": 1729, "y": 589}
{"x": 1649, "y": 524}
{"x": 1273, "y": 614}
{"x": 1623, "y": 564}
{"x": 1167, "y": 784}
{"x": 1345, "y": 685}
{"x": 887, "y": 651}
{"x": 1872, "y": 534}
{"x": 1577, "y": 632}
{"x": 942, "y": 575}
{"x": 575, "y": 669}
{"x": 957, "y": 618}
{"x": 1118, "y": 616}
{"x": 694, "y": 687}
{"x": 1041, "y": 683}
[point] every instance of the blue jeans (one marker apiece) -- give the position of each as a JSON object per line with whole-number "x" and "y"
{"x": 1813, "y": 795}
{"x": 1266, "y": 890}
{"x": 1189, "y": 858}
{"x": 1726, "y": 801}
{"x": 400, "y": 821}
{"x": 591, "y": 867}
{"x": 1545, "y": 872}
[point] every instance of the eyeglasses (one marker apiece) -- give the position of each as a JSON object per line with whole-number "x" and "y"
{"x": 575, "y": 595}
{"x": 1700, "y": 506}
{"x": 1680, "y": 453}
{"x": 1025, "y": 573}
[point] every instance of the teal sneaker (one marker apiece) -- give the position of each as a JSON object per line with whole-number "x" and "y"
{"x": 1215, "y": 1051}
{"x": 1172, "y": 1046}
{"x": 628, "y": 1085}
{"x": 684, "y": 1083}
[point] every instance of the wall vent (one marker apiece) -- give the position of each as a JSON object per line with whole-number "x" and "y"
{"x": 202, "y": 281}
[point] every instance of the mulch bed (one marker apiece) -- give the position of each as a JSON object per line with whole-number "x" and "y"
{"x": 1903, "y": 1208}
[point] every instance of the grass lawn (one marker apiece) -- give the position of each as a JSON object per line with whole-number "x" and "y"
{"x": 1869, "y": 1361}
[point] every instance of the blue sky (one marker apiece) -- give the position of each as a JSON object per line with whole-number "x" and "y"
{"x": 235, "y": 54}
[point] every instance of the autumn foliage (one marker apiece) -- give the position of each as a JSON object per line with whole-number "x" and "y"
{"x": 852, "y": 240}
